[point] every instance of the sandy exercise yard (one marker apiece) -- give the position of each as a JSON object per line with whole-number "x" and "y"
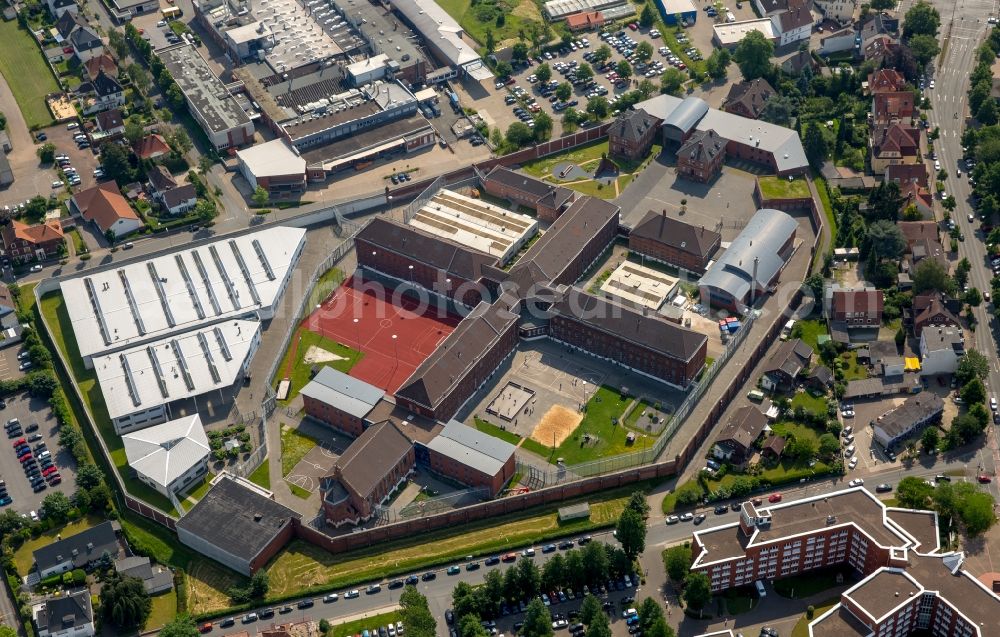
{"x": 556, "y": 425}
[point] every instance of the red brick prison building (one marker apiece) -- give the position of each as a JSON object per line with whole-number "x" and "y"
{"x": 471, "y": 457}
{"x": 674, "y": 242}
{"x": 547, "y": 200}
{"x": 340, "y": 401}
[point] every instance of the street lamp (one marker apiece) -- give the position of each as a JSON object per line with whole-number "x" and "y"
{"x": 357, "y": 331}
{"x": 410, "y": 268}
{"x": 395, "y": 353}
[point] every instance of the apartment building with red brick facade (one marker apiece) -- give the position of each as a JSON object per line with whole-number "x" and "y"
{"x": 674, "y": 242}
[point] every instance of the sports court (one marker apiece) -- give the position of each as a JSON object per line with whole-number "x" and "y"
{"x": 392, "y": 330}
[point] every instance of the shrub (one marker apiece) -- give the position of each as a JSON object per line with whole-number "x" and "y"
{"x": 810, "y": 611}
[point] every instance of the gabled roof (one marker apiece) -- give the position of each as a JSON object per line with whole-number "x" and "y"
{"x": 365, "y": 462}
{"x": 67, "y": 613}
{"x": 702, "y": 146}
{"x": 774, "y": 444}
{"x": 69, "y": 22}
{"x": 166, "y": 451}
{"x": 934, "y": 308}
{"x": 584, "y": 19}
{"x": 549, "y": 195}
{"x": 472, "y": 448}
{"x": 743, "y": 427}
{"x": 908, "y": 172}
{"x": 915, "y": 193}
{"x": 46, "y": 232}
{"x": 81, "y": 549}
{"x": 151, "y": 147}
{"x": 791, "y": 357}
{"x": 798, "y": 61}
{"x": 103, "y": 205}
{"x": 822, "y": 374}
{"x": 895, "y": 141}
{"x": 879, "y": 47}
{"x": 884, "y": 80}
{"x": 678, "y": 234}
{"x": 892, "y": 105}
{"x": 110, "y": 119}
{"x": 751, "y": 95}
{"x": 348, "y": 394}
{"x": 105, "y": 84}
{"x": 160, "y": 179}
{"x": 7, "y": 303}
{"x": 866, "y": 300}
{"x": 102, "y": 62}
{"x": 179, "y": 195}
{"x": 632, "y": 125}
{"x": 85, "y": 39}
{"x": 794, "y": 19}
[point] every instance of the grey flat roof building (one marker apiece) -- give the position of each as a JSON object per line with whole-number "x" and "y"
{"x": 346, "y": 393}
{"x": 471, "y": 447}
{"x": 236, "y": 525}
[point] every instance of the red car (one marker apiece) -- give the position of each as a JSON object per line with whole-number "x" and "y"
{"x": 984, "y": 478}
{"x": 774, "y": 497}
{"x": 49, "y": 471}
{"x": 20, "y": 441}
{"x": 26, "y": 457}
{"x": 54, "y": 480}
{"x": 633, "y": 26}
{"x": 205, "y": 628}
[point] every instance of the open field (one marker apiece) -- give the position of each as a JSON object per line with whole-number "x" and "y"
{"x": 517, "y": 15}
{"x": 778, "y": 188}
{"x": 53, "y": 307}
{"x": 164, "y": 609}
{"x": 355, "y": 627}
{"x": 300, "y": 370}
{"x": 27, "y": 74}
{"x": 294, "y": 446}
{"x": 301, "y": 565}
{"x": 207, "y": 584}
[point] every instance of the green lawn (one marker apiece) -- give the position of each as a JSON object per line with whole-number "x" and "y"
{"x": 782, "y": 188}
{"x": 325, "y": 285}
{"x": 298, "y": 347}
{"x": 517, "y": 15}
{"x": 197, "y": 493}
{"x": 294, "y": 446}
{"x": 298, "y": 491}
{"x": 27, "y": 73}
{"x": 809, "y": 330}
{"x": 606, "y": 439}
{"x": 853, "y": 370}
{"x": 800, "y": 432}
{"x": 261, "y": 476}
{"x": 53, "y": 307}
{"x": 78, "y": 243}
{"x": 164, "y": 609}
{"x": 812, "y": 404}
{"x": 578, "y": 155}
{"x": 824, "y": 199}
{"x": 802, "y": 627}
{"x": 355, "y": 627}
{"x": 497, "y": 432}
{"x": 23, "y": 558}
{"x": 302, "y": 566}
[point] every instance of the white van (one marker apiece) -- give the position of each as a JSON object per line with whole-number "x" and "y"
{"x": 44, "y": 454}
{"x": 730, "y": 17}
{"x": 760, "y": 589}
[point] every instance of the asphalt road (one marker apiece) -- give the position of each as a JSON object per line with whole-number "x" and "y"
{"x": 660, "y": 535}
{"x": 964, "y": 26}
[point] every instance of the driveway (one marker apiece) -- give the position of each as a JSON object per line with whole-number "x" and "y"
{"x": 28, "y": 179}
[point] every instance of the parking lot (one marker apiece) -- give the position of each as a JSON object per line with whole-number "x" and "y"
{"x": 83, "y": 160}
{"x": 32, "y": 413}
{"x": 9, "y": 365}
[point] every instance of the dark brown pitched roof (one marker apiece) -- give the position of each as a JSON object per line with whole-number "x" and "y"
{"x": 418, "y": 245}
{"x": 179, "y": 195}
{"x": 457, "y": 355}
{"x": 364, "y": 463}
{"x": 547, "y": 194}
{"x": 774, "y": 444}
{"x": 893, "y": 104}
{"x": 861, "y": 300}
{"x": 791, "y": 357}
{"x": 645, "y": 330}
{"x": 795, "y": 18}
{"x": 743, "y": 427}
{"x": 886, "y": 80}
{"x": 161, "y": 179}
{"x": 678, "y": 234}
{"x": 752, "y": 95}
{"x": 895, "y": 140}
{"x": 632, "y": 125}
{"x": 703, "y": 146}
{"x": 110, "y": 119}
{"x": 908, "y": 172}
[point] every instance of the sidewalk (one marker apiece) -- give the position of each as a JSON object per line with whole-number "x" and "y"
{"x": 365, "y": 615}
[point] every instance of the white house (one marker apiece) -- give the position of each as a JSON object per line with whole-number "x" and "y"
{"x": 940, "y": 350}
{"x": 68, "y": 616}
{"x": 793, "y": 25}
{"x": 169, "y": 457}
{"x": 108, "y": 93}
{"x": 840, "y": 11}
{"x": 107, "y": 209}
{"x": 59, "y": 7}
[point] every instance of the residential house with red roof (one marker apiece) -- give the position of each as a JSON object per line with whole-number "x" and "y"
{"x": 902, "y": 173}
{"x": 893, "y": 144}
{"x": 151, "y": 147}
{"x": 105, "y": 207}
{"x": 893, "y": 106}
{"x": 585, "y": 21}
{"x": 25, "y": 243}
{"x": 886, "y": 80}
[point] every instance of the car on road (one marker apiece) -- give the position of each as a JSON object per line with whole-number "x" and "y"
{"x": 227, "y": 622}
{"x": 267, "y": 613}
{"x": 853, "y": 463}
{"x": 205, "y": 628}
{"x": 885, "y": 487}
{"x": 351, "y": 594}
{"x": 396, "y": 583}
{"x": 306, "y": 603}
{"x": 721, "y": 509}
{"x": 983, "y": 478}
{"x": 548, "y": 548}
{"x": 36, "y": 268}
{"x": 284, "y": 610}
{"x": 698, "y": 519}
{"x": 454, "y": 570}
{"x": 673, "y": 519}
{"x": 942, "y": 478}
{"x": 686, "y": 517}
{"x": 57, "y": 184}
{"x": 857, "y": 482}
{"x": 774, "y": 497}
{"x": 847, "y": 413}
{"x": 493, "y": 560}
{"x": 249, "y": 618}
{"x": 332, "y": 597}
{"x": 428, "y": 576}
{"x": 374, "y": 588}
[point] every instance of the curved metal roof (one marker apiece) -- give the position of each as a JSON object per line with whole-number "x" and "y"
{"x": 687, "y": 114}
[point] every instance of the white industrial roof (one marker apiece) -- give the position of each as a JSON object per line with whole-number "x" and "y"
{"x": 272, "y": 159}
{"x": 165, "y": 452}
{"x": 730, "y": 33}
{"x": 175, "y": 367}
{"x": 150, "y": 299}
{"x": 439, "y": 28}
{"x": 557, "y": 9}
{"x": 672, "y": 7}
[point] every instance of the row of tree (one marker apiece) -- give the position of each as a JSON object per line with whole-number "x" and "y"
{"x": 954, "y": 502}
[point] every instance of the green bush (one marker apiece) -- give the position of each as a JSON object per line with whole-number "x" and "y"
{"x": 79, "y": 576}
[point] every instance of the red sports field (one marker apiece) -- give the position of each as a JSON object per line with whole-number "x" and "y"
{"x": 380, "y": 314}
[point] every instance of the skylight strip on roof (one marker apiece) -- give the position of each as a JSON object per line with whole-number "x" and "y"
{"x": 189, "y": 284}
{"x": 206, "y": 282}
{"x": 158, "y": 284}
{"x": 129, "y": 381}
{"x": 263, "y": 259}
{"x": 182, "y": 364}
{"x": 212, "y": 369}
{"x": 223, "y": 345}
{"x": 157, "y": 371}
{"x": 230, "y": 288}
{"x": 102, "y": 325}
{"x": 132, "y": 305}
{"x": 245, "y": 270}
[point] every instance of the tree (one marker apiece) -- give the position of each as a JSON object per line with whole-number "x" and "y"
{"x": 950, "y": 203}
{"x": 631, "y": 533}
{"x": 976, "y": 512}
{"x": 802, "y": 447}
{"x": 415, "y": 614}
{"x": 114, "y": 161}
{"x": 180, "y": 141}
{"x": 697, "y": 590}
{"x": 753, "y": 55}
{"x": 644, "y": 50}
{"x": 471, "y": 626}
{"x": 554, "y": 572}
{"x": 925, "y": 48}
{"x": 649, "y": 613}
{"x": 914, "y": 493}
{"x": 529, "y": 580}
{"x": 887, "y": 239}
{"x": 671, "y": 81}
{"x": 140, "y": 78}
{"x": 260, "y": 197}
{"x": 717, "y": 63}
{"x": 111, "y": 236}
{"x": 464, "y": 601}
{"x": 677, "y": 562}
{"x": 134, "y": 131}
{"x": 180, "y": 626}
{"x": 57, "y": 506}
{"x": 778, "y": 110}
{"x": 542, "y": 127}
{"x": 921, "y": 19}
{"x": 46, "y": 152}
{"x": 537, "y": 621}
{"x": 973, "y": 297}
{"x": 125, "y": 603}
{"x": 519, "y": 51}
{"x": 584, "y": 72}
{"x": 623, "y": 69}
{"x": 595, "y": 562}
{"x": 117, "y": 43}
{"x": 88, "y": 475}
{"x": 637, "y": 502}
{"x": 564, "y": 91}
{"x": 647, "y": 17}
{"x": 504, "y": 69}
{"x": 599, "y": 627}
{"x": 491, "y": 42}
{"x": 828, "y": 445}
{"x": 931, "y": 274}
{"x": 882, "y": 5}
{"x": 688, "y": 494}
{"x": 598, "y": 107}
{"x": 814, "y": 143}
{"x": 987, "y": 113}
{"x": 492, "y": 593}
{"x": 543, "y": 73}
{"x": 518, "y": 134}
{"x": 571, "y": 117}
{"x": 590, "y": 609}
{"x": 929, "y": 440}
{"x": 973, "y": 392}
{"x": 972, "y": 365}
{"x": 259, "y": 585}
{"x": 602, "y": 54}
{"x": 659, "y": 628}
